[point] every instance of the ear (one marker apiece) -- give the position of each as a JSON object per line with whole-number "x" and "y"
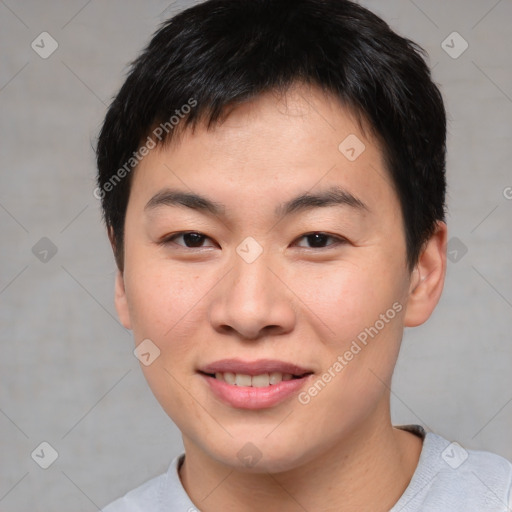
{"x": 427, "y": 279}
{"x": 120, "y": 301}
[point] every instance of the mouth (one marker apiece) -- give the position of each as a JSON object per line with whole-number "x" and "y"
{"x": 254, "y": 381}
{"x": 254, "y": 385}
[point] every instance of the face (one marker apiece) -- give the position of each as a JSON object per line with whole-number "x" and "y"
{"x": 277, "y": 298}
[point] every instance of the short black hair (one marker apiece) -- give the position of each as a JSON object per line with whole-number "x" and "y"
{"x": 220, "y": 53}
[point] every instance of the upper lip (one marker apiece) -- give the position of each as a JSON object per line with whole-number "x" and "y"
{"x": 252, "y": 368}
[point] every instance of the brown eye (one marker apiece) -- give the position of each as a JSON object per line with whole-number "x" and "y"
{"x": 191, "y": 239}
{"x": 319, "y": 240}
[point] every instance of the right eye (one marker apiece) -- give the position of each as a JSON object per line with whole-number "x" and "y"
{"x": 191, "y": 239}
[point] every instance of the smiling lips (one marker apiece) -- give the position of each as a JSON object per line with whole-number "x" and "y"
{"x": 254, "y": 385}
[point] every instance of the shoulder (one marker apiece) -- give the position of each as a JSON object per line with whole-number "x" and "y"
{"x": 156, "y": 495}
{"x": 449, "y": 477}
{"x": 141, "y": 499}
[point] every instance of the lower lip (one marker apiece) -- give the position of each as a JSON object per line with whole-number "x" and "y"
{"x": 247, "y": 397}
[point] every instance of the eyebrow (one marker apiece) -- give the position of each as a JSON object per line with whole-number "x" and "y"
{"x": 332, "y": 196}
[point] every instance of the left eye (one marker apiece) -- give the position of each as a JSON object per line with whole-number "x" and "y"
{"x": 319, "y": 240}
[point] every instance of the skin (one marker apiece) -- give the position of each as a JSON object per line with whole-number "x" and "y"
{"x": 294, "y": 303}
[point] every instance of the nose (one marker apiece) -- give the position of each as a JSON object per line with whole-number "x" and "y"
{"x": 253, "y": 301}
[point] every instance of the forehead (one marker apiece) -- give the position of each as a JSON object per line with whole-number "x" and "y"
{"x": 271, "y": 148}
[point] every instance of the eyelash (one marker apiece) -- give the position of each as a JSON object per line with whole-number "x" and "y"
{"x": 337, "y": 240}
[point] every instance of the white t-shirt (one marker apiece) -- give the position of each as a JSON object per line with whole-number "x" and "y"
{"x": 448, "y": 478}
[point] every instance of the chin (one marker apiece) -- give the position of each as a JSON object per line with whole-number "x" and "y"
{"x": 261, "y": 455}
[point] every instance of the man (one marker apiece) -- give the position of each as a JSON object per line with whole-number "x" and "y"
{"x": 272, "y": 176}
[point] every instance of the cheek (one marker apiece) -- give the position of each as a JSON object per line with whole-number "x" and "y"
{"x": 165, "y": 306}
{"x": 162, "y": 299}
{"x": 361, "y": 310}
{"x": 362, "y": 318}
{"x": 347, "y": 299}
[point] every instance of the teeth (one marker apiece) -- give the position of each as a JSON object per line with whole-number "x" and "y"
{"x": 275, "y": 377}
{"x": 256, "y": 381}
{"x": 260, "y": 381}
{"x": 230, "y": 378}
{"x": 242, "y": 380}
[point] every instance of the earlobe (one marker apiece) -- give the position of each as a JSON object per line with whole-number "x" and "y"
{"x": 121, "y": 302}
{"x": 427, "y": 279}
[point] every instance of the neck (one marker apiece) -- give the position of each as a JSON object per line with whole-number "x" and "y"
{"x": 369, "y": 469}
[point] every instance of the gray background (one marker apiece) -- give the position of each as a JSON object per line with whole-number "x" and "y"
{"x": 68, "y": 375}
